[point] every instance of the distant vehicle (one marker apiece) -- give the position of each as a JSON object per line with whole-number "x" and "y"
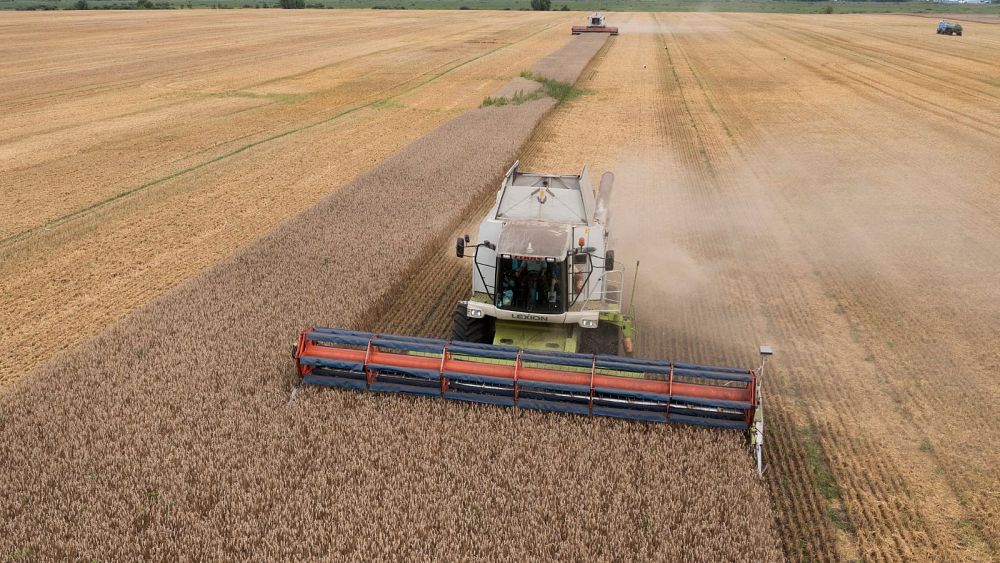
{"x": 946, "y": 27}
{"x": 595, "y": 24}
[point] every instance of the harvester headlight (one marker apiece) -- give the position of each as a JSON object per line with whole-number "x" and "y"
{"x": 475, "y": 314}
{"x": 588, "y": 323}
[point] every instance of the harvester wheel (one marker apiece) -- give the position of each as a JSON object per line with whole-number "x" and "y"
{"x": 465, "y": 329}
{"x": 604, "y": 339}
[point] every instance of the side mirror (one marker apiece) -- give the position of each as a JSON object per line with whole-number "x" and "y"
{"x": 460, "y": 247}
{"x": 609, "y": 260}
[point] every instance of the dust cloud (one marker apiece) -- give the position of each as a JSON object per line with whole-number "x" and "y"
{"x": 691, "y": 244}
{"x": 651, "y": 212}
{"x": 665, "y": 25}
{"x": 706, "y": 238}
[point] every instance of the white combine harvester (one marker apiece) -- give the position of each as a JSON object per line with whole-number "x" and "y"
{"x": 542, "y": 328}
{"x": 595, "y": 24}
{"x": 543, "y": 275}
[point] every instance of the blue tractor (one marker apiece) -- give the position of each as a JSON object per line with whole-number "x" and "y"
{"x": 946, "y": 27}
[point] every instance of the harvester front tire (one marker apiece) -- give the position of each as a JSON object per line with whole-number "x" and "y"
{"x": 465, "y": 329}
{"x": 605, "y": 339}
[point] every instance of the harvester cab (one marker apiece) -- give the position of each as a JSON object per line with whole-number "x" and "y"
{"x": 543, "y": 276}
{"x": 595, "y": 24}
{"x": 542, "y": 328}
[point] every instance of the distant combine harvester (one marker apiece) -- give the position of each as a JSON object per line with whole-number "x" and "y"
{"x": 595, "y": 25}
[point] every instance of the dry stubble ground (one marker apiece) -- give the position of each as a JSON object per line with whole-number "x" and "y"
{"x": 811, "y": 184}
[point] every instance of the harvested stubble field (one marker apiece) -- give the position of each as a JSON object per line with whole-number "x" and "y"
{"x": 173, "y": 434}
{"x": 798, "y": 181}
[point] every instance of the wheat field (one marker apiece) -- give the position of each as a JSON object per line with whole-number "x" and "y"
{"x": 177, "y": 433}
{"x": 180, "y": 202}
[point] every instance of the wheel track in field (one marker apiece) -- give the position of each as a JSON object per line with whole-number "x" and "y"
{"x": 811, "y": 527}
{"x": 830, "y": 441}
{"x": 818, "y": 367}
{"x": 230, "y": 60}
{"x": 738, "y": 128}
{"x": 793, "y": 497}
{"x": 974, "y": 207}
{"x": 873, "y": 523}
{"x": 897, "y": 487}
{"x": 864, "y": 82}
{"x": 211, "y": 68}
{"x": 886, "y": 298}
{"x": 696, "y": 150}
{"x": 917, "y": 69}
{"x": 912, "y": 48}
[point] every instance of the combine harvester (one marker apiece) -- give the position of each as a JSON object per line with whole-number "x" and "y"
{"x": 594, "y": 25}
{"x": 543, "y": 327}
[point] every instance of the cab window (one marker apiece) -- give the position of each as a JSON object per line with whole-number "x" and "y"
{"x": 530, "y": 285}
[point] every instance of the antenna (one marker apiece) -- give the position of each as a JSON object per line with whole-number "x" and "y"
{"x": 631, "y": 299}
{"x": 757, "y": 432}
